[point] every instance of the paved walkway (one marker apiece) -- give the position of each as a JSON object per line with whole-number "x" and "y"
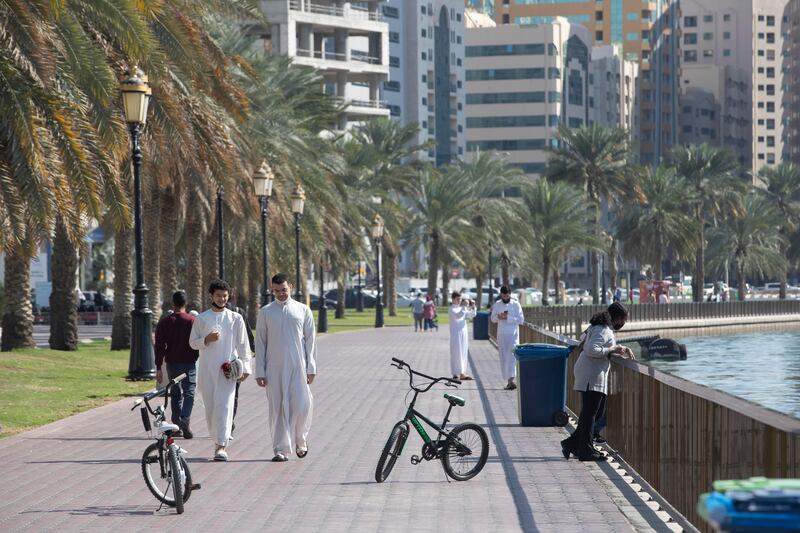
{"x": 83, "y": 473}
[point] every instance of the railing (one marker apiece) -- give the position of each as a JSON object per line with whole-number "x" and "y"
{"x": 374, "y": 104}
{"x": 321, "y": 54}
{"x": 680, "y": 436}
{"x": 677, "y": 311}
{"x": 334, "y": 11}
{"x": 364, "y": 57}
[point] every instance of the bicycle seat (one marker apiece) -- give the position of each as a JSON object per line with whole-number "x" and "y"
{"x": 455, "y": 400}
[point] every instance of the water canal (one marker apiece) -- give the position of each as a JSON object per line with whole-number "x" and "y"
{"x": 763, "y": 368}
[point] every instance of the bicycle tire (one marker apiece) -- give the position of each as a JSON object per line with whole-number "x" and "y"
{"x": 390, "y": 453}
{"x": 459, "y": 458}
{"x": 150, "y": 458}
{"x": 175, "y": 472}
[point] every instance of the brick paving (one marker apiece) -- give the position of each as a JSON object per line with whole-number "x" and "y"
{"x": 83, "y": 473}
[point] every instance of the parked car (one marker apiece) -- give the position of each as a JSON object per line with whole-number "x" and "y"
{"x": 577, "y": 293}
{"x": 94, "y": 301}
{"x": 351, "y": 296}
{"x": 404, "y": 300}
{"x": 314, "y": 302}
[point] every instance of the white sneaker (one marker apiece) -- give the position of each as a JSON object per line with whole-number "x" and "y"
{"x": 220, "y": 454}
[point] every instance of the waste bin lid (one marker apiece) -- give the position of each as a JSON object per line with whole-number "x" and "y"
{"x": 729, "y": 514}
{"x": 756, "y": 483}
{"x": 540, "y": 351}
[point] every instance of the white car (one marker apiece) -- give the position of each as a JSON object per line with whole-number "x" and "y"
{"x": 404, "y": 300}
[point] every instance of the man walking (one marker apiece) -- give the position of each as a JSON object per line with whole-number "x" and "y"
{"x": 219, "y": 334}
{"x": 286, "y": 366}
{"x": 417, "y": 308}
{"x": 507, "y": 314}
{"x": 172, "y": 345}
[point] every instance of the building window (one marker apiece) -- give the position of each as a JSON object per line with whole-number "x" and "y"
{"x": 770, "y": 72}
{"x": 770, "y": 123}
{"x": 770, "y": 20}
{"x": 422, "y": 9}
{"x": 506, "y": 98}
{"x": 708, "y": 18}
{"x": 726, "y": 53}
{"x": 394, "y": 110}
{"x": 708, "y": 36}
{"x": 506, "y": 74}
{"x": 394, "y": 61}
{"x": 690, "y": 22}
{"x": 770, "y": 38}
{"x": 633, "y": 36}
{"x": 771, "y": 90}
{"x": 393, "y": 86}
{"x": 689, "y": 38}
{"x": 770, "y": 107}
{"x": 598, "y": 36}
{"x": 575, "y": 122}
{"x": 553, "y": 73}
{"x": 770, "y": 55}
{"x": 391, "y": 12}
{"x": 424, "y": 56}
{"x": 535, "y": 49}
{"x": 726, "y": 35}
{"x": 423, "y": 32}
{"x": 505, "y": 18}
{"x": 394, "y": 37}
{"x": 708, "y": 53}
{"x": 424, "y": 78}
{"x": 770, "y": 141}
{"x": 690, "y": 56}
{"x": 424, "y": 101}
{"x": 598, "y": 16}
{"x": 726, "y": 17}
{"x": 506, "y": 122}
{"x": 761, "y": 35}
{"x": 771, "y": 158}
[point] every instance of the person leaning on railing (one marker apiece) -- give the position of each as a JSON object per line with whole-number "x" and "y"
{"x": 591, "y": 377}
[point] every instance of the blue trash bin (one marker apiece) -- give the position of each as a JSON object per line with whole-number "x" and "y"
{"x": 753, "y": 505}
{"x": 542, "y": 389}
{"x": 480, "y": 326}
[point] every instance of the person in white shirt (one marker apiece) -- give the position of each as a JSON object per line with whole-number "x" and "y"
{"x": 219, "y": 335}
{"x": 286, "y": 365}
{"x": 507, "y": 314}
{"x": 458, "y": 314}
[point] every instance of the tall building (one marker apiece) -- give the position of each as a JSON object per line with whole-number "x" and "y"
{"x": 426, "y": 75}
{"x": 739, "y": 52}
{"x": 523, "y": 81}
{"x": 348, "y": 43}
{"x": 645, "y": 30}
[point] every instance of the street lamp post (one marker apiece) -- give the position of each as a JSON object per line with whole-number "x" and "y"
{"x": 136, "y": 93}
{"x": 360, "y": 296}
{"x": 491, "y": 278}
{"x": 220, "y": 240}
{"x": 322, "y": 321}
{"x": 377, "y": 234}
{"x": 263, "y": 180}
{"x": 298, "y": 203}
{"x": 604, "y": 299}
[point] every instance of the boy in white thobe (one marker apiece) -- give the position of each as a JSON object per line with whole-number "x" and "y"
{"x": 507, "y": 314}
{"x": 459, "y": 339}
{"x": 219, "y": 334}
{"x": 286, "y": 366}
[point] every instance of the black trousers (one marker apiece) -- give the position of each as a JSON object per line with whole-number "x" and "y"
{"x": 580, "y": 442}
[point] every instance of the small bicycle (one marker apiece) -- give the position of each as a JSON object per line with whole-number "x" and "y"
{"x": 170, "y": 481}
{"x": 463, "y": 450}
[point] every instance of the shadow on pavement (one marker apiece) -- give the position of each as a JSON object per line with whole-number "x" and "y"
{"x": 653, "y": 520}
{"x": 87, "y": 462}
{"x": 111, "y": 510}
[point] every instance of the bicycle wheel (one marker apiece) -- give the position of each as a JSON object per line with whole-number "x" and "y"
{"x": 465, "y": 451}
{"x": 391, "y": 451}
{"x": 160, "y": 486}
{"x": 177, "y": 482}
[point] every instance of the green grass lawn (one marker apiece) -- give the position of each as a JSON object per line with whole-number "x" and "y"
{"x": 354, "y": 320}
{"x": 38, "y": 386}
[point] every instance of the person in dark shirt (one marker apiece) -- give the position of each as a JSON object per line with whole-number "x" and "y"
{"x": 250, "y": 339}
{"x": 172, "y": 345}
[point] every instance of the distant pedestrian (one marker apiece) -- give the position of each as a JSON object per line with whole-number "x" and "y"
{"x": 286, "y": 365}
{"x": 417, "y": 308}
{"x": 219, "y": 334}
{"x": 507, "y": 314}
{"x": 460, "y": 311}
{"x": 591, "y": 378}
{"x": 172, "y": 345}
{"x": 663, "y": 298}
{"x": 617, "y": 294}
{"x": 429, "y": 313}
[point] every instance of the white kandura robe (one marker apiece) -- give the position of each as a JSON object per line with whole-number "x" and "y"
{"x": 507, "y": 334}
{"x": 215, "y": 389}
{"x": 459, "y": 338}
{"x": 285, "y": 354}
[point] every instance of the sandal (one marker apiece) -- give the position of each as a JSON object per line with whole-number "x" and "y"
{"x": 466, "y": 378}
{"x": 301, "y": 452}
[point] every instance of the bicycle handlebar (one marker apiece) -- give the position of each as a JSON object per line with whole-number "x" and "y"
{"x": 450, "y": 382}
{"x": 158, "y": 392}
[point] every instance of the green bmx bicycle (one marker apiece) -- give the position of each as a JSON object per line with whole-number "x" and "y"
{"x": 463, "y": 450}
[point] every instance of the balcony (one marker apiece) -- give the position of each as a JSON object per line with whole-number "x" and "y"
{"x": 358, "y": 62}
{"x": 363, "y": 107}
{"x": 333, "y": 11}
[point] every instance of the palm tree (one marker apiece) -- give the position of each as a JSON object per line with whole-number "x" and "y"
{"x": 783, "y": 188}
{"x": 659, "y": 219}
{"x": 595, "y": 159}
{"x": 711, "y": 173}
{"x": 63, "y": 308}
{"x": 557, "y": 215}
{"x": 751, "y": 236}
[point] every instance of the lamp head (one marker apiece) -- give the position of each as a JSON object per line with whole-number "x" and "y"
{"x": 136, "y": 93}
{"x": 377, "y": 227}
{"x": 263, "y": 178}
{"x": 298, "y": 200}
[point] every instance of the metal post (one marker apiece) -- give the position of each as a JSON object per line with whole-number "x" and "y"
{"x": 297, "y": 255}
{"x": 360, "y": 295}
{"x": 265, "y": 251}
{"x": 322, "y": 322}
{"x": 491, "y": 279}
{"x": 378, "y": 302}
{"x": 604, "y": 299}
{"x": 220, "y": 240}
{"x": 141, "y": 365}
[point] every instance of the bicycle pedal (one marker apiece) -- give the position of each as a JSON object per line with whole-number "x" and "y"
{"x": 195, "y": 486}
{"x": 416, "y": 459}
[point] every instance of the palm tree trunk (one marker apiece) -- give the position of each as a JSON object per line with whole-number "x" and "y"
{"x": 168, "y": 261}
{"x": 557, "y": 284}
{"x": 391, "y": 279}
{"x": 478, "y": 289}
{"x": 433, "y": 263}
{"x": 445, "y": 283}
{"x": 195, "y": 283}
{"x": 253, "y": 283}
{"x": 210, "y": 257}
{"x": 63, "y": 307}
{"x": 340, "y": 288}
{"x": 612, "y": 264}
{"x": 17, "y": 314}
{"x": 782, "y": 290}
{"x": 659, "y": 257}
{"x": 123, "y": 287}
{"x": 595, "y": 257}
{"x": 740, "y": 279}
{"x": 505, "y": 264}
{"x": 545, "y": 275}
{"x": 699, "y": 263}
{"x": 152, "y": 250}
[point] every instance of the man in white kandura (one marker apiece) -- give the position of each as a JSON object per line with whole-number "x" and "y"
{"x": 286, "y": 365}
{"x": 219, "y": 334}
{"x": 459, "y": 312}
{"x": 507, "y": 314}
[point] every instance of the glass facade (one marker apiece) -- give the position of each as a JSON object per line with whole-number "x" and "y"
{"x": 536, "y": 49}
{"x": 444, "y": 130}
{"x": 505, "y": 74}
{"x": 506, "y": 122}
{"x": 506, "y": 98}
{"x": 507, "y": 145}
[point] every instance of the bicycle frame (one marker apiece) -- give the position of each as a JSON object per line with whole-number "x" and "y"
{"x": 414, "y": 416}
